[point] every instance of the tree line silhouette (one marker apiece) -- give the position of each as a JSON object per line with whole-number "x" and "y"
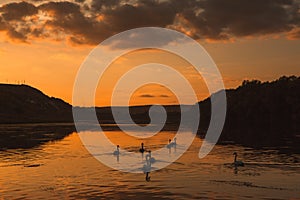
{"x": 260, "y": 113}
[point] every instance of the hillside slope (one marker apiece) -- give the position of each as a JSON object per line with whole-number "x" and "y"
{"x": 260, "y": 114}
{"x": 24, "y": 104}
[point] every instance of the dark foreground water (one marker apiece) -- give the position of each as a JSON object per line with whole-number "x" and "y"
{"x": 63, "y": 169}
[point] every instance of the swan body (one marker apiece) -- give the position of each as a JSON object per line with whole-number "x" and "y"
{"x": 237, "y": 163}
{"x": 147, "y": 167}
{"x": 117, "y": 152}
{"x": 171, "y": 144}
{"x": 149, "y": 158}
{"x": 174, "y": 142}
{"x": 142, "y": 150}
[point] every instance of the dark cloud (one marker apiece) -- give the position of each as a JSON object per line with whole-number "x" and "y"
{"x": 153, "y": 96}
{"x": 79, "y": 1}
{"x": 17, "y": 35}
{"x": 147, "y": 96}
{"x": 90, "y": 23}
{"x": 13, "y": 21}
{"x": 164, "y": 96}
{"x": 16, "y": 11}
{"x": 220, "y": 19}
{"x": 97, "y": 5}
{"x": 151, "y": 13}
{"x": 2, "y": 24}
{"x": 69, "y": 18}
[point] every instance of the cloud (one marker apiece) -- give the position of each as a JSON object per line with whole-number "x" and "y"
{"x": 17, "y": 11}
{"x": 2, "y": 24}
{"x": 142, "y": 38}
{"x": 15, "y": 19}
{"x": 220, "y": 19}
{"x": 97, "y": 5}
{"x": 17, "y": 35}
{"x": 67, "y": 18}
{"x": 294, "y": 34}
{"x": 147, "y": 96}
{"x": 153, "y": 96}
{"x": 164, "y": 96}
{"x": 85, "y": 22}
{"x": 146, "y": 13}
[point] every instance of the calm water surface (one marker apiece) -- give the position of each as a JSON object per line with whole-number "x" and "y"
{"x": 63, "y": 169}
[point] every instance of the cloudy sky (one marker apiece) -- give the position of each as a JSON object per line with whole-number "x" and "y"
{"x": 44, "y": 42}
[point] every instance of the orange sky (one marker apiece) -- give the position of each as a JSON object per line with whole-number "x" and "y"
{"x": 50, "y": 64}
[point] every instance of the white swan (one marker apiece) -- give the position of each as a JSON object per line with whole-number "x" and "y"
{"x": 149, "y": 158}
{"x": 171, "y": 144}
{"x": 174, "y": 143}
{"x": 147, "y": 167}
{"x": 117, "y": 152}
{"x": 237, "y": 162}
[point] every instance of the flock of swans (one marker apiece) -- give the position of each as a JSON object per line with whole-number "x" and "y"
{"x": 150, "y": 160}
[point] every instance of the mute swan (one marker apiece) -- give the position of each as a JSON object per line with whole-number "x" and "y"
{"x": 174, "y": 143}
{"x": 237, "y": 162}
{"x": 117, "y": 152}
{"x": 171, "y": 144}
{"x": 142, "y": 150}
{"x": 149, "y": 158}
{"x": 147, "y": 167}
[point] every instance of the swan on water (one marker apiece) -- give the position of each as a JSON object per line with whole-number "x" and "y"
{"x": 142, "y": 150}
{"x": 149, "y": 158}
{"x": 117, "y": 152}
{"x": 174, "y": 143}
{"x": 147, "y": 167}
{"x": 171, "y": 144}
{"x": 237, "y": 162}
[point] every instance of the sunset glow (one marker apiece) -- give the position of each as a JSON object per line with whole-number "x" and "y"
{"x": 45, "y": 44}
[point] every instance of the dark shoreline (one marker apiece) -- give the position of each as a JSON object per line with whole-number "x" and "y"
{"x": 258, "y": 113}
{"x": 32, "y": 135}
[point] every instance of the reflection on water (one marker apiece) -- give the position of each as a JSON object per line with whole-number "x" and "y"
{"x": 24, "y": 136}
{"x": 63, "y": 169}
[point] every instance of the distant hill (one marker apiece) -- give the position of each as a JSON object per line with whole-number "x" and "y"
{"x": 25, "y": 104}
{"x": 260, "y": 114}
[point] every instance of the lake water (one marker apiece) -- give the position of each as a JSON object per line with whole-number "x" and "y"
{"x": 64, "y": 169}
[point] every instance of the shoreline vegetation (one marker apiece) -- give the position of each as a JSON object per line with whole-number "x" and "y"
{"x": 259, "y": 114}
